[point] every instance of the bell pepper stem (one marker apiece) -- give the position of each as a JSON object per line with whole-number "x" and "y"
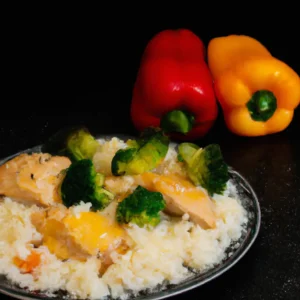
{"x": 262, "y": 105}
{"x": 177, "y": 121}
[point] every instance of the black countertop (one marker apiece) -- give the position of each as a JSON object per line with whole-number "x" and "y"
{"x": 271, "y": 268}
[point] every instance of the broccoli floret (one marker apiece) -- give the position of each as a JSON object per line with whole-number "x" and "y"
{"x": 141, "y": 155}
{"x": 186, "y": 152}
{"x": 205, "y": 166}
{"x": 83, "y": 183}
{"x": 121, "y": 160}
{"x": 74, "y": 142}
{"x": 142, "y": 207}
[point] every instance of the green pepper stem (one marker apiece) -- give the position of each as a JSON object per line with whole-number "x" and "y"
{"x": 177, "y": 121}
{"x": 262, "y": 105}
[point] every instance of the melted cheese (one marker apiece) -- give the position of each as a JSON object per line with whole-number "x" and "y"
{"x": 78, "y": 236}
{"x": 94, "y": 232}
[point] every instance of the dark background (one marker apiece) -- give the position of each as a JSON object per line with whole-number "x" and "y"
{"x": 84, "y": 71}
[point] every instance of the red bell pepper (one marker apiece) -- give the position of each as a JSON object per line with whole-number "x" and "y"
{"x": 174, "y": 87}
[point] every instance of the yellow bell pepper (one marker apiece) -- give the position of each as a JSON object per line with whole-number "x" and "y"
{"x": 258, "y": 93}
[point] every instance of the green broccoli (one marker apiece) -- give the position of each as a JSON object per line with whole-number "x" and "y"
{"x": 186, "y": 152}
{"x": 74, "y": 142}
{"x": 121, "y": 160}
{"x": 141, "y": 155}
{"x": 83, "y": 183}
{"x": 142, "y": 207}
{"x": 205, "y": 166}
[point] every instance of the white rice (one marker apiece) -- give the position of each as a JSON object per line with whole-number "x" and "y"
{"x": 156, "y": 256}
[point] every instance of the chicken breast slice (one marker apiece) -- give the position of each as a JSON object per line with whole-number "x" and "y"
{"x": 180, "y": 194}
{"x": 71, "y": 235}
{"x": 33, "y": 178}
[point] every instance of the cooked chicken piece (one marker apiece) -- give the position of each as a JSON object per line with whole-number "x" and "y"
{"x": 180, "y": 194}
{"x": 181, "y": 197}
{"x": 33, "y": 178}
{"x": 120, "y": 186}
{"x": 74, "y": 235}
{"x": 105, "y": 154}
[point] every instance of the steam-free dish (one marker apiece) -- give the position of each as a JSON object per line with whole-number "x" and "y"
{"x": 112, "y": 217}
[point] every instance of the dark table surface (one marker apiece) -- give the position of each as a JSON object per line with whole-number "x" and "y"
{"x": 271, "y": 269}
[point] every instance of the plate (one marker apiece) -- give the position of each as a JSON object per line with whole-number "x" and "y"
{"x": 237, "y": 249}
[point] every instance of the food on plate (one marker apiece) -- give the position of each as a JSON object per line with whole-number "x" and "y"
{"x": 33, "y": 178}
{"x": 43, "y": 179}
{"x": 82, "y": 183}
{"x": 182, "y": 197}
{"x": 258, "y": 93}
{"x": 28, "y": 265}
{"x": 77, "y": 235}
{"x": 142, "y": 207}
{"x": 75, "y": 142}
{"x": 142, "y": 154}
{"x": 174, "y": 87}
{"x": 159, "y": 213}
{"x": 205, "y": 166}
